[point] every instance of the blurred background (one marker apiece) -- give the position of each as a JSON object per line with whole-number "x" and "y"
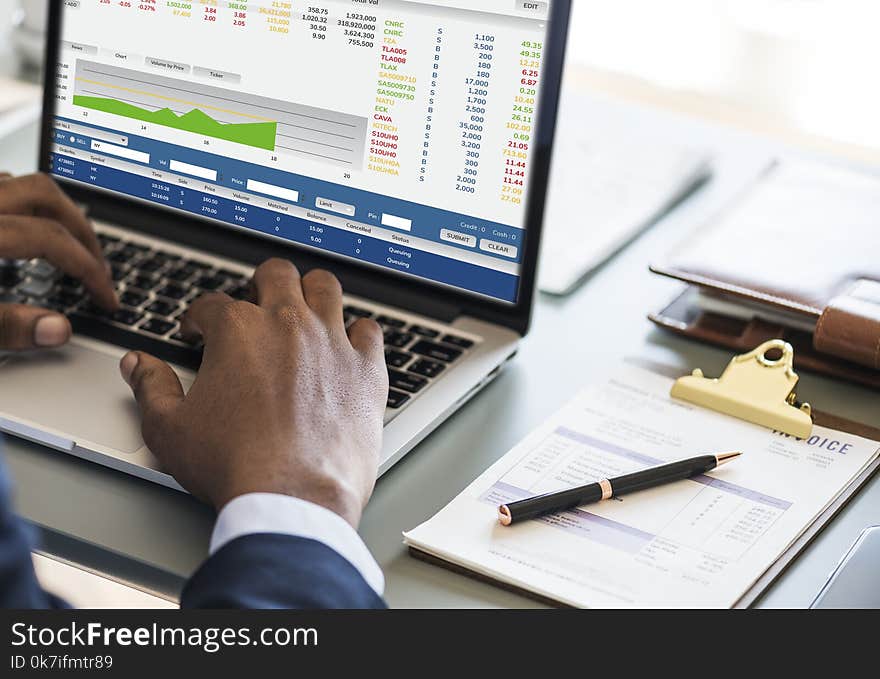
{"x": 796, "y": 67}
{"x": 805, "y": 65}
{"x": 21, "y": 32}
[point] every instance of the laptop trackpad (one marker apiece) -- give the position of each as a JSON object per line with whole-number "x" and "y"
{"x": 76, "y": 392}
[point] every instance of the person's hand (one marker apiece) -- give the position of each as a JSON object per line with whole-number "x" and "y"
{"x": 38, "y": 220}
{"x": 286, "y": 401}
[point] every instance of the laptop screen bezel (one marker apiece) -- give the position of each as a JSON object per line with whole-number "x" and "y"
{"x": 380, "y": 285}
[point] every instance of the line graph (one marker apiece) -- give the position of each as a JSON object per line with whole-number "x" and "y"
{"x": 283, "y": 127}
{"x": 258, "y": 135}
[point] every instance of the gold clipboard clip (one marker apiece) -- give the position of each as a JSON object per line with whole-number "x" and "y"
{"x": 755, "y": 388}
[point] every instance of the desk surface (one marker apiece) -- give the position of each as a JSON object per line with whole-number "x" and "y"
{"x": 151, "y": 530}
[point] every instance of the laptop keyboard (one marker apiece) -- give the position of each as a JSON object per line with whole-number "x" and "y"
{"x": 155, "y": 288}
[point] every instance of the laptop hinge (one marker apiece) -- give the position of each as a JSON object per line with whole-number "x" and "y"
{"x": 357, "y": 281}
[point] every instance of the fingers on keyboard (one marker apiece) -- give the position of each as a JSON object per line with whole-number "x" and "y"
{"x": 155, "y": 288}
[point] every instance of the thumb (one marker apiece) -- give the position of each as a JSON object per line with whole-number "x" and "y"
{"x": 27, "y": 327}
{"x": 155, "y": 385}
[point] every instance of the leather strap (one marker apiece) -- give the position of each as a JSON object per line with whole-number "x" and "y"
{"x": 684, "y": 317}
{"x": 849, "y": 327}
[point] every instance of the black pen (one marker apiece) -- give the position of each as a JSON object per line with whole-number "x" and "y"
{"x": 550, "y": 503}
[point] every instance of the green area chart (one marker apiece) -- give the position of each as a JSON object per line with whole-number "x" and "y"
{"x": 258, "y": 135}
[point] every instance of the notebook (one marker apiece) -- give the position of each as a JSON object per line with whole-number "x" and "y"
{"x": 608, "y": 184}
{"x": 712, "y": 541}
{"x": 796, "y": 257}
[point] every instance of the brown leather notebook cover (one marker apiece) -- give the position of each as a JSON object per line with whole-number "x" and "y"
{"x": 804, "y": 240}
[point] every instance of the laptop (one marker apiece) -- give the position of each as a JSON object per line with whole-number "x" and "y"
{"x": 403, "y": 145}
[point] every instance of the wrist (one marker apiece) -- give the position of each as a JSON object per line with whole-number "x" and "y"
{"x": 339, "y": 500}
{"x": 330, "y": 494}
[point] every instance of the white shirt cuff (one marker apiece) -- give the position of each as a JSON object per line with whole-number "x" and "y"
{"x": 257, "y": 513}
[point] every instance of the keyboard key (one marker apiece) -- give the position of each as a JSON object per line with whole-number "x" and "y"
{"x": 396, "y": 359}
{"x": 173, "y": 292}
{"x": 12, "y": 298}
{"x": 164, "y": 258}
{"x": 163, "y": 307}
{"x": 63, "y": 299}
{"x": 240, "y": 292}
{"x": 132, "y": 298}
{"x": 106, "y": 239}
{"x": 123, "y": 256}
{"x": 136, "y": 247}
{"x": 411, "y": 383}
{"x": 210, "y": 283}
{"x": 427, "y": 368}
{"x": 397, "y": 399}
{"x": 145, "y": 283}
{"x": 127, "y": 316}
{"x": 35, "y": 287}
{"x": 180, "y": 274}
{"x": 198, "y": 266}
{"x": 391, "y": 322}
{"x": 459, "y": 342}
{"x": 42, "y": 269}
{"x": 435, "y": 351}
{"x": 69, "y": 283}
{"x": 119, "y": 272}
{"x": 398, "y": 339}
{"x": 10, "y": 275}
{"x": 53, "y": 304}
{"x": 356, "y": 311}
{"x": 424, "y": 332}
{"x": 93, "y": 309}
{"x": 151, "y": 265}
{"x": 156, "y": 326}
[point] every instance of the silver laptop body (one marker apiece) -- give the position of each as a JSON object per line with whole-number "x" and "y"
{"x": 161, "y": 124}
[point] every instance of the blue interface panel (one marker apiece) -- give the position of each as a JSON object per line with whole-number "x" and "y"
{"x": 398, "y": 136}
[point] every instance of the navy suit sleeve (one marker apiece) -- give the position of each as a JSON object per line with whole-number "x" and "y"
{"x": 18, "y": 582}
{"x": 256, "y": 571}
{"x": 266, "y": 571}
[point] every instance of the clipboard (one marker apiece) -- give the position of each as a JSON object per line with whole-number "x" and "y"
{"x": 754, "y": 593}
{"x": 783, "y": 365}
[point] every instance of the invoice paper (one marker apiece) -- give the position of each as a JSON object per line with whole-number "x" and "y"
{"x": 695, "y": 543}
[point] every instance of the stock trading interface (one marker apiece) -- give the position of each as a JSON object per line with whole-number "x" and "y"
{"x": 397, "y": 133}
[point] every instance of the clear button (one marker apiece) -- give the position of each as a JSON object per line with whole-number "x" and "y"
{"x": 496, "y": 248}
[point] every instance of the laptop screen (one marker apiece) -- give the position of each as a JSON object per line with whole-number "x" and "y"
{"x": 396, "y": 133}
